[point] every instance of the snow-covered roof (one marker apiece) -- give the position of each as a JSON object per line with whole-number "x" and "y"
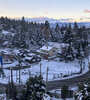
{"x": 56, "y": 45}
{"x": 5, "y": 51}
{"x": 6, "y": 42}
{"x": 64, "y": 45}
{"x": 46, "y": 48}
{"x": 5, "y": 32}
{"x": 60, "y": 51}
{"x": 28, "y": 58}
{"x": 31, "y": 54}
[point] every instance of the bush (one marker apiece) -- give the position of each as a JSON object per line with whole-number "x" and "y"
{"x": 35, "y": 89}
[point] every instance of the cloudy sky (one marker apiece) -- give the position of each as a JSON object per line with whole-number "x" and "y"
{"x": 72, "y": 10}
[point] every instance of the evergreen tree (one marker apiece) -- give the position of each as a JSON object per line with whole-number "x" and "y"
{"x": 31, "y": 35}
{"x": 41, "y": 38}
{"x": 75, "y": 28}
{"x": 68, "y": 37}
{"x": 47, "y": 25}
{"x": 34, "y": 90}
{"x": 83, "y": 92}
{"x": 57, "y": 28}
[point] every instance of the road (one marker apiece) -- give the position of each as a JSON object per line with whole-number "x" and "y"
{"x": 57, "y": 84}
{"x": 69, "y": 82}
{"x": 72, "y": 81}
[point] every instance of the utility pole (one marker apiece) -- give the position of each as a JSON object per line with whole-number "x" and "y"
{"x": 29, "y": 73}
{"x": 47, "y": 77}
{"x": 16, "y": 75}
{"x": 19, "y": 69}
{"x": 11, "y": 75}
{"x": 40, "y": 69}
{"x": 8, "y": 86}
{"x": 12, "y": 82}
{"x": 19, "y": 76}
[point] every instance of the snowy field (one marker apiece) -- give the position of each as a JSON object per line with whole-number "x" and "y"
{"x": 57, "y": 70}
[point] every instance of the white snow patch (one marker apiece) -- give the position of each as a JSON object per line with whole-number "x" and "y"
{"x": 46, "y": 48}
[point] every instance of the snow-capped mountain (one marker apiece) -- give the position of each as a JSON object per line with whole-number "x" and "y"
{"x": 53, "y": 21}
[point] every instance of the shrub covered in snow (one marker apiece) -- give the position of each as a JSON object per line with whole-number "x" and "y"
{"x": 35, "y": 89}
{"x": 83, "y": 92}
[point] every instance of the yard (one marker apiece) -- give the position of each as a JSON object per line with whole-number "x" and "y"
{"x": 56, "y": 70}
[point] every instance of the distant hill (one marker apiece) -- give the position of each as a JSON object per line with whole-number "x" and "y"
{"x": 80, "y": 24}
{"x": 53, "y": 22}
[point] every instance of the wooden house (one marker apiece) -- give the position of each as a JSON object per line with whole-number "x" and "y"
{"x": 47, "y": 50}
{"x": 32, "y": 59}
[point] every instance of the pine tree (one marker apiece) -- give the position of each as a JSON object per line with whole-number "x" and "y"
{"x": 83, "y": 92}
{"x": 57, "y": 28}
{"x": 68, "y": 35}
{"x": 47, "y": 25}
{"x": 34, "y": 90}
{"x": 69, "y": 39}
{"x": 75, "y": 28}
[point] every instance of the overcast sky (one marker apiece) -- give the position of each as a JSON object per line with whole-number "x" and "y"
{"x": 76, "y": 9}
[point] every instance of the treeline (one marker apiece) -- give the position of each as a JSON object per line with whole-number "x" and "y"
{"x": 31, "y": 34}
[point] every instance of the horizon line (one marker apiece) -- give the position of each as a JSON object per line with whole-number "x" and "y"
{"x": 56, "y": 20}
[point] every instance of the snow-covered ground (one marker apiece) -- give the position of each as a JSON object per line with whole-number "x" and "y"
{"x": 56, "y": 70}
{"x": 48, "y": 98}
{"x": 58, "y": 93}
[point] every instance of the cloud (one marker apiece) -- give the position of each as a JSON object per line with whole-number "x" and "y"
{"x": 42, "y": 19}
{"x": 86, "y": 11}
{"x": 1, "y": 12}
{"x": 51, "y": 20}
{"x": 85, "y": 18}
{"x": 45, "y": 12}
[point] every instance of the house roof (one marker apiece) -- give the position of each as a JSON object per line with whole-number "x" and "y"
{"x": 64, "y": 45}
{"x": 46, "y": 48}
{"x": 57, "y": 45}
{"x": 28, "y": 58}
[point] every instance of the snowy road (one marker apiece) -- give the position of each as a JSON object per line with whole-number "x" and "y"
{"x": 59, "y": 83}
{"x": 69, "y": 82}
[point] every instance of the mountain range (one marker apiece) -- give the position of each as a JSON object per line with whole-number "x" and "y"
{"x": 53, "y": 22}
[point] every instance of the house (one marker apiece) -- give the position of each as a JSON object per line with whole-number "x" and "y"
{"x": 47, "y": 51}
{"x": 52, "y": 50}
{"x": 58, "y": 47}
{"x": 32, "y": 59}
{"x": 7, "y": 59}
{"x": 5, "y": 44}
{"x": 61, "y": 47}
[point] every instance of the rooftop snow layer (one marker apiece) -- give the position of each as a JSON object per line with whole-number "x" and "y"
{"x": 47, "y": 48}
{"x": 5, "y": 32}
